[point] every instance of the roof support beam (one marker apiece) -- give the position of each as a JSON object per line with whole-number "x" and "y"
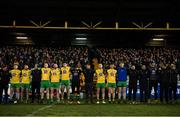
{"x": 91, "y": 26}
{"x": 136, "y": 25}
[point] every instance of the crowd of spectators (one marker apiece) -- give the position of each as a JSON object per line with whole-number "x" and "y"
{"x": 139, "y": 56}
{"x": 74, "y": 55}
{"x": 38, "y": 55}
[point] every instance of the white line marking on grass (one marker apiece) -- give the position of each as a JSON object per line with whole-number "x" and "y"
{"x": 40, "y": 109}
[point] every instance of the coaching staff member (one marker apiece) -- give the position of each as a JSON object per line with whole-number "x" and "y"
{"x": 89, "y": 75}
{"x": 4, "y": 81}
{"x": 36, "y": 81}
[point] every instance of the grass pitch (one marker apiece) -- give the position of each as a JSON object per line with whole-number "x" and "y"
{"x": 90, "y": 110}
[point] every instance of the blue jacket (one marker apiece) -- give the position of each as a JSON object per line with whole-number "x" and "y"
{"x": 122, "y": 75}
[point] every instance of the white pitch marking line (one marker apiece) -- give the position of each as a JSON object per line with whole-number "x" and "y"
{"x": 34, "y": 112}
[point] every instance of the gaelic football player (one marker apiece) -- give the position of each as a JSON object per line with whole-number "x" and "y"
{"x": 65, "y": 80}
{"x": 111, "y": 80}
{"x": 55, "y": 81}
{"x": 100, "y": 83}
{"x": 45, "y": 81}
{"x": 26, "y": 75}
{"x": 15, "y": 82}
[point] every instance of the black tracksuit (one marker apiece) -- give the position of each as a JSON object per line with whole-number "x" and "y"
{"x": 133, "y": 77}
{"x": 4, "y": 81}
{"x": 75, "y": 80}
{"x": 36, "y": 83}
{"x": 89, "y": 74}
{"x": 173, "y": 84}
{"x": 144, "y": 83}
{"x": 164, "y": 84}
{"x": 153, "y": 81}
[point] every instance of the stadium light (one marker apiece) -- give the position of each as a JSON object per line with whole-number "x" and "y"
{"x": 21, "y": 37}
{"x": 81, "y": 38}
{"x": 158, "y": 39}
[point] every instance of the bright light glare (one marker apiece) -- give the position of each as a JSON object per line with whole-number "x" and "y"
{"x": 158, "y": 39}
{"x": 21, "y": 37}
{"x": 81, "y": 38}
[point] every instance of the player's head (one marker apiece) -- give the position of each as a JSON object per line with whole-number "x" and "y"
{"x": 88, "y": 66}
{"x": 26, "y": 67}
{"x": 173, "y": 66}
{"x": 100, "y": 66}
{"x": 121, "y": 65}
{"x": 45, "y": 65}
{"x": 153, "y": 64}
{"x": 112, "y": 66}
{"x": 64, "y": 64}
{"x": 55, "y": 66}
{"x": 143, "y": 67}
{"x": 164, "y": 66}
{"x": 133, "y": 67}
{"x": 15, "y": 66}
{"x": 36, "y": 66}
{"x": 5, "y": 67}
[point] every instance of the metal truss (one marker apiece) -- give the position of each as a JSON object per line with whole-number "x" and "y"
{"x": 86, "y": 26}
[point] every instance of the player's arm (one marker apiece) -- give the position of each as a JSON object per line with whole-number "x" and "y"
{"x": 60, "y": 74}
{"x": 50, "y": 74}
{"x": 106, "y": 78}
{"x": 70, "y": 74}
{"x": 10, "y": 74}
{"x": 20, "y": 75}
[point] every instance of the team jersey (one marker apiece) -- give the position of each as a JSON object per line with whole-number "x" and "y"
{"x": 15, "y": 74}
{"x": 111, "y": 75}
{"x": 26, "y": 74}
{"x": 55, "y": 75}
{"x": 65, "y": 73}
{"x": 100, "y": 76}
{"x": 45, "y": 73}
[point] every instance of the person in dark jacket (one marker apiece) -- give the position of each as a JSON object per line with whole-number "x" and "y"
{"x": 153, "y": 79}
{"x": 164, "y": 82}
{"x": 36, "y": 81}
{"x": 4, "y": 82}
{"x": 144, "y": 83}
{"x": 89, "y": 75}
{"x": 133, "y": 77}
{"x": 76, "y": 73}
{"x": 173, "y": 82}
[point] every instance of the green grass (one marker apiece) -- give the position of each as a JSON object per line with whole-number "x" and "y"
{"x": 91, "y": 110}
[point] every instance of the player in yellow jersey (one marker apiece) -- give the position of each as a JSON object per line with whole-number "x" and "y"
{"x": 55, "y": 80}
{"x": 45, "y": 81}
{"x": 15, "y": 82}
{"x": 65, "y": 80}
{"x": 111, "y": 80}
{"x": 100, "y": 83}
{"x": 26, "y": 78}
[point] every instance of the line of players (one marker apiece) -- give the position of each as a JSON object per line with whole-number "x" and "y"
{"x": 54, "y": 77}
{"x": 50, "y": 78}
